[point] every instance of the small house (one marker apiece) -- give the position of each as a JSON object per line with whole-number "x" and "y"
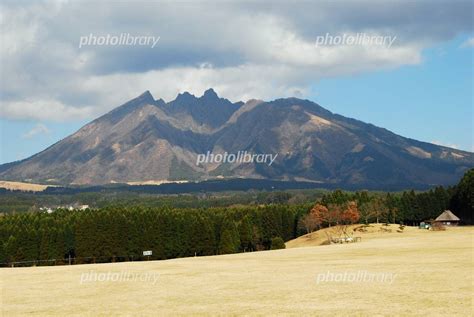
{"x": 447, "y": 218}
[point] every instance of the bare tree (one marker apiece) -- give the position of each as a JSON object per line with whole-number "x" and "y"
{"x": 376, "y": 208}
{"x": 309, "y": 222}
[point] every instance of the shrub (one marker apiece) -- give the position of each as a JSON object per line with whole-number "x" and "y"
{"x": 278, "y": 243}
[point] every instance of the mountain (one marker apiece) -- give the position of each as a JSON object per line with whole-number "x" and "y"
{"x": 148, "y": 140}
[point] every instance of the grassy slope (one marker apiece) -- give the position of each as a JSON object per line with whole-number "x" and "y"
{"x": 373, "y": 231}
{"x": 434, "y": 277}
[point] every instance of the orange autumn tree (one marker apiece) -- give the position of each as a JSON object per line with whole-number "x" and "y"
{"x": 349, "y": 215}
{"x": 320, "y": 213}
{"x": 314, "y": 219}
{"x": 339, "y": 215}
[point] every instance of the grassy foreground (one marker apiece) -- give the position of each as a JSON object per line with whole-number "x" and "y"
{"x": 432, "y": 275}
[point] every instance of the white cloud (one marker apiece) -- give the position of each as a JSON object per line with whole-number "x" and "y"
{"x": 43, "y": 110}
{"x": 244, "y": 51}
{"x": 36, "y": 130}
{"x": 468, "y": 43}
{"x": 236, "y": 83}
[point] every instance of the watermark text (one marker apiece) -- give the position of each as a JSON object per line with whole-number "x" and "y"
{"x": 122, "y": 39}
{"x": 356, "y": 277}
{"x": 121, "y": 276}
{"x": 239, "y": 157}
{"x": 360, "y": 39}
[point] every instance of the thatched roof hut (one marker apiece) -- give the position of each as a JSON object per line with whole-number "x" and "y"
{"x": 447, "y": 218}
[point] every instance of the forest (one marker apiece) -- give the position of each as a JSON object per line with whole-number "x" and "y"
{"x": 121, "y": 232}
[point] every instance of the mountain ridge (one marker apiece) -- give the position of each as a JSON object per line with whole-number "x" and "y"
{"x": 152, "y": 140}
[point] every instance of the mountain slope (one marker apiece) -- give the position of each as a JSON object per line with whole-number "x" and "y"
{"x": 150, "y": 140}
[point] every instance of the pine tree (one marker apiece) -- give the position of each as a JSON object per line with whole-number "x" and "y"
{"x": 245, "y": 234}
{"x": 462, "y": 201}
{"x": 229, "y": 239}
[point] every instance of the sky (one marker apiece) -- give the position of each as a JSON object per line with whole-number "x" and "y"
{"x": 420, "y": 86}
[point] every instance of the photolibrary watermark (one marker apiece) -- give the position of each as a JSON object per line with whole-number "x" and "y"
{"x": 122, "y": 39}
{"x": 122, "y": 276}
{"x": 239, "y": 157}
{"x": 361, "y": 39}
{"x": 356, "y": 277}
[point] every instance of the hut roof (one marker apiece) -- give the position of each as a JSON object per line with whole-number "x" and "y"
{"x": 447, "y": 215}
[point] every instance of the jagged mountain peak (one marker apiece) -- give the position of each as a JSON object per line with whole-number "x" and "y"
{"x": 209, "y": 109}
{"x": 210, "y": 94}
{"x": 146, "y": 97}
{"x": 136, "y": 142}
{"x": 115, "y": 115}
{"x": 184, "y": 97}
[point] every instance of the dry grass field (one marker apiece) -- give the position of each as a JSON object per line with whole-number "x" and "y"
{"x": 432, "y": 276}
{"x": 27, "y": 187}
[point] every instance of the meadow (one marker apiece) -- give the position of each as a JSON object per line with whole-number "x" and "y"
{"x": 432, "y": 275}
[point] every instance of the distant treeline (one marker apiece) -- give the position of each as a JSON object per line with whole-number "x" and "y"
{"x": 122, "y": 233}
{"x": 237, "y": 184}
{"x": 249, "y": 191}
{"x": 18, "y": 202}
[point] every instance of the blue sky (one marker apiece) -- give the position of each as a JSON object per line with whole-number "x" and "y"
{"x": 432, "y": 101}
{"x": 421, "y": 87}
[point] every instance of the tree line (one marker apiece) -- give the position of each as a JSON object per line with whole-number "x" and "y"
{"x": 122, "y": 233}
{"x": 409, "y": 207}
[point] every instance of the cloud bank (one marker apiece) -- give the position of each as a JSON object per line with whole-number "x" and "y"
{"x": 244, "y": 50}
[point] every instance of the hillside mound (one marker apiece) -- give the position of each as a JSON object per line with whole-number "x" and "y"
{"x": 365, "y": 232}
